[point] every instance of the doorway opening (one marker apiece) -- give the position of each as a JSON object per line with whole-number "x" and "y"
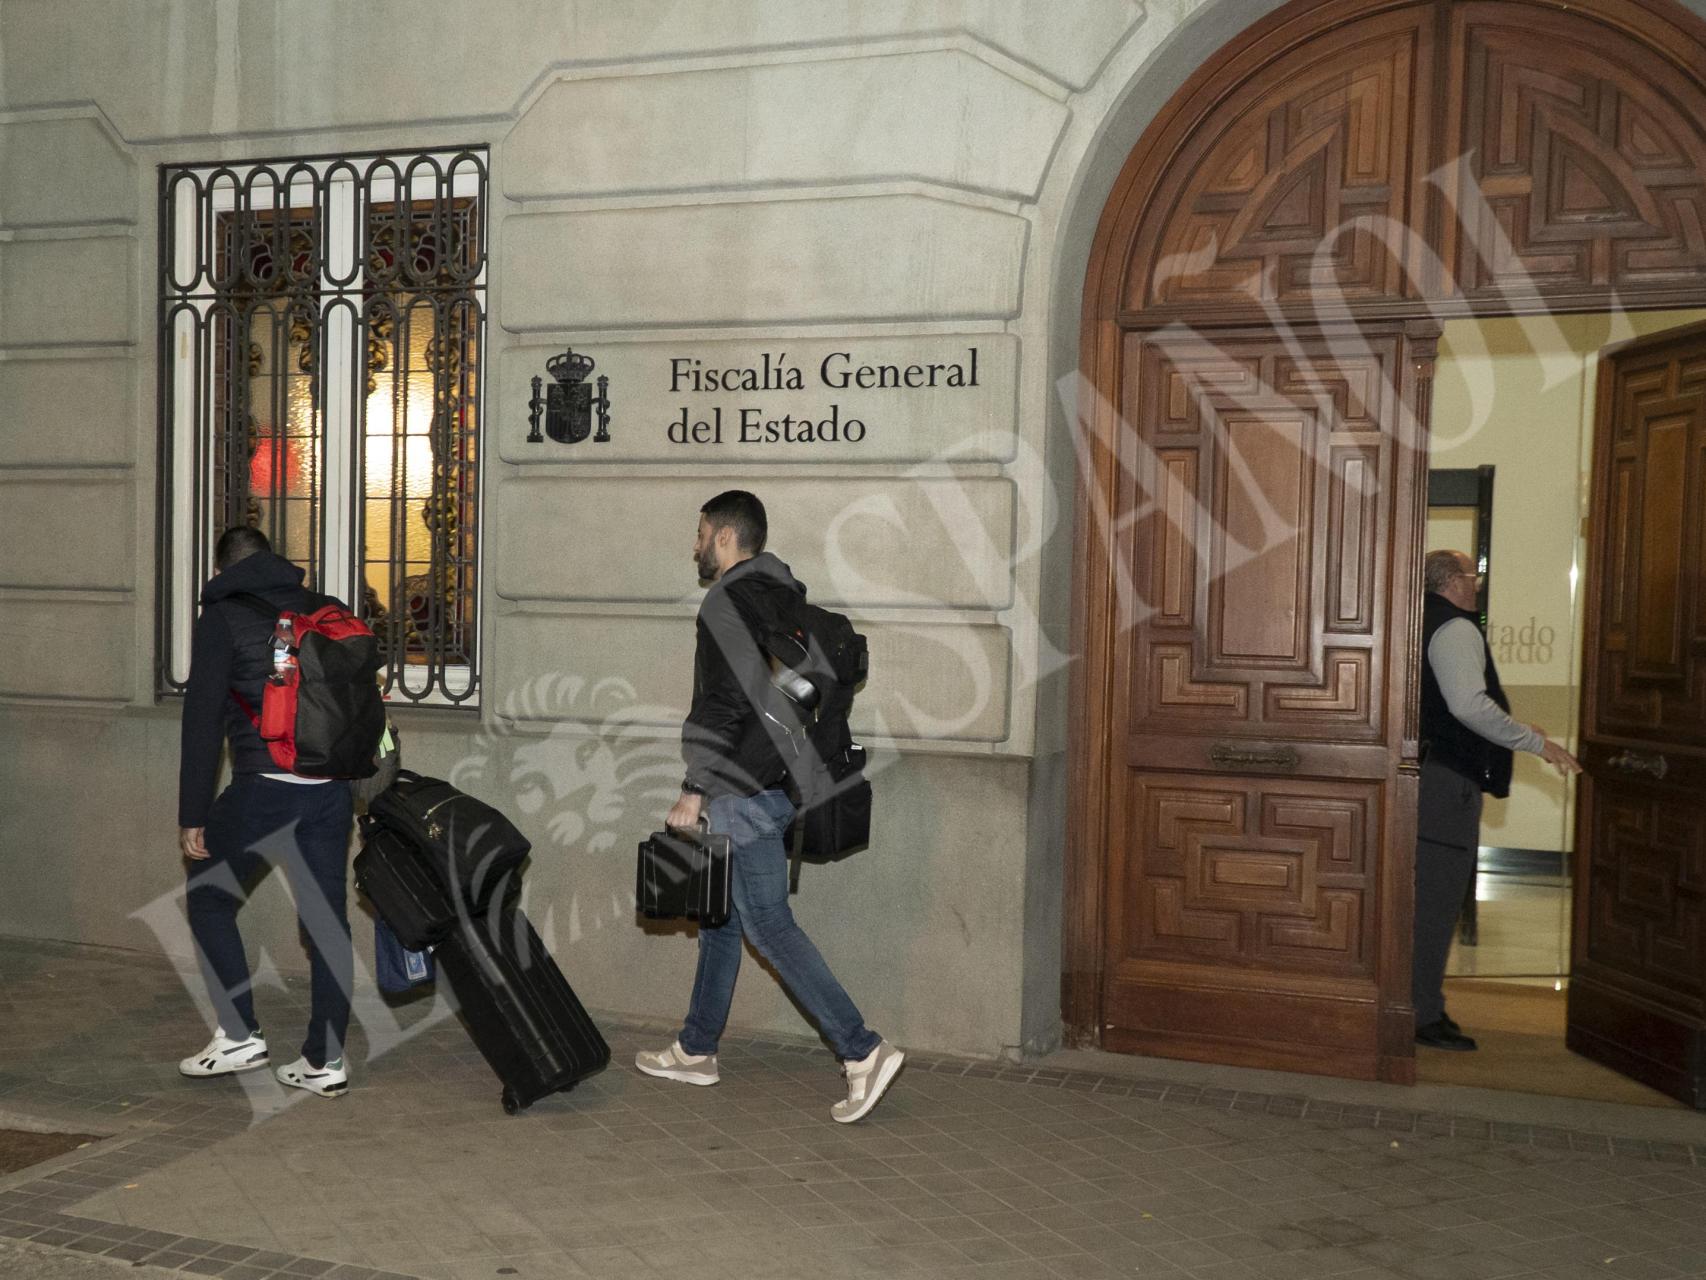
{"x": 1510, "y": 464}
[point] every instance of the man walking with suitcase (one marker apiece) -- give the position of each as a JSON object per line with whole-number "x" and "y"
{"x": 736, "y": 780}
{"x": 265, "y": 816}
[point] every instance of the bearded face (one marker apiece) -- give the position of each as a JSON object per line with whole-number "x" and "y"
{"x": 704, "y": 551}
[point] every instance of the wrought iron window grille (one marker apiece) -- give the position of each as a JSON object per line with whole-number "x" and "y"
{"x": 321, "y": 331}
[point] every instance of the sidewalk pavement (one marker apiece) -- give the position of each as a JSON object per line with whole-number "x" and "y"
{"x": 986, "y": 1170}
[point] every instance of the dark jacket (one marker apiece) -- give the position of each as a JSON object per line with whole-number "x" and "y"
{"x": 1445, "y": 738}
{"x": 728, "y": 745}
{"x": 231, "y": 649}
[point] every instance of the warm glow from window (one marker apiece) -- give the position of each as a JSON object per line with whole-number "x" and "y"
{"x": 322, "y": 320}
{"x": 384, "y": 457}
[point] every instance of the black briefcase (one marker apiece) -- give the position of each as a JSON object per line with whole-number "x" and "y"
{"x": 685, "y": 876}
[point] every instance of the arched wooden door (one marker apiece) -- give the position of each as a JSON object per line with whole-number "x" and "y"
{"x": 1260, "y": 314}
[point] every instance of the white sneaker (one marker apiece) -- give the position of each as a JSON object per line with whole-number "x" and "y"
{"x": 675, "y": 1063}
{"x": 329, "y": 1081}
{"x": 225, "y": 1056}
{"x": 867, "y": 1081}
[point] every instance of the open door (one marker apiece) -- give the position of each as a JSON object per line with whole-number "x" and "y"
{"x": 1638, "y": 975}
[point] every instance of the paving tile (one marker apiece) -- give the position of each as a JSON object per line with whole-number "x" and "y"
{"x": 900, "y": 1231}
{"x": 990, "y": 1249}
{"x": 169, "y": 1259}
{"x": 127, "y": 1251}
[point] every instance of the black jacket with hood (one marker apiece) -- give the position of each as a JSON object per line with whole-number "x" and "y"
{"x": 231, "y": 649}
{"x": 726, "y": 742}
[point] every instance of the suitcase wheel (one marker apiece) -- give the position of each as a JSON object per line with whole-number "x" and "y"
{"x": 511, "y": 1104}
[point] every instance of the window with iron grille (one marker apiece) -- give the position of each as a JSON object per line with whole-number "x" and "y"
{"x": 321, "y": 328}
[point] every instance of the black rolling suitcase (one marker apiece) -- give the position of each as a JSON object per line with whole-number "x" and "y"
{"x": 684, "y": 876}
{"x": 521, "y": 1013}
{"x": 394, "y": 877}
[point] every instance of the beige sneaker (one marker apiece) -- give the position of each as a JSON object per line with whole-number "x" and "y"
{"x": 675, "y": 1063}
{"x": 867, "y": 1081}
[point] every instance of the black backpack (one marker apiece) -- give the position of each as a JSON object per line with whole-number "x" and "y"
{"x": 321, "y": 713}
{"x": 818, "y": 662}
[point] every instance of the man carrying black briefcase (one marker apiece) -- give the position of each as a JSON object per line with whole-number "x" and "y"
{"x": 736, "y": 778}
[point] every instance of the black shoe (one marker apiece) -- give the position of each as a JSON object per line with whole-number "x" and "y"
{"x": 1451, "y": 1024}
{"x": 1444, "y": 1034}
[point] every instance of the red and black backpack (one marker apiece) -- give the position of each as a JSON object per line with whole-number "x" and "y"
{"x": 321, "y": 713}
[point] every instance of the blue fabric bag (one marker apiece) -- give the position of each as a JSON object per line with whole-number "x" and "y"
{"x": 395, "y": 968}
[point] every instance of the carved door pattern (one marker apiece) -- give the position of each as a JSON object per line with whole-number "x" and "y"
{"x": 1638, "y": 971}
{"x": 1577, "y": 162}
{"x": 1241, "y": 836}
{"x": 1295, "y": 191}
{"x": 1265, "y": 487}
{"x": 1498, "y": 153}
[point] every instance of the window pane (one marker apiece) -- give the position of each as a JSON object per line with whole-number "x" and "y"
{"x": 420, "y": 423}
{"x": 320, "y": 337}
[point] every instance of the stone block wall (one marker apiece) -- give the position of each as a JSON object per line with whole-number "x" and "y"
{"x": 749, "y": 184}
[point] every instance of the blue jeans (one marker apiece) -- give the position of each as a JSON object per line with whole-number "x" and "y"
{"x": 760, "y": 910}
{"x": 258, "y": 823}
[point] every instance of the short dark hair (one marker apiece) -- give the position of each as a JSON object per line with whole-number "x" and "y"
{"x": 741, "y": 511}
{"x": 238, "y": 544}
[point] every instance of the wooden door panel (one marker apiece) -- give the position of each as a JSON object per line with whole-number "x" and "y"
{"x": 1295, "y": 185}
{"x": 1264, "y": 499}
{"x": 1268, "y": 481}
{"x": 1246, "y": 930}
{"x": 1637, "y": 998}
{"x": 1638, "y": 980}
{"x": 1263, "y": 493}
{"x": 1275, "y": 874}
{"x": 1652, "y": 682}
{"x": 1647, "y": 891}
{"x": 1577, "y": 159}
{"x": 1657, "y": 649}
{"x": 1353, "y": 530}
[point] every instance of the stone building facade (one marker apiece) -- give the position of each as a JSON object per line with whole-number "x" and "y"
{"x": 890, "y": 184}
{"x": 874, "y": 219}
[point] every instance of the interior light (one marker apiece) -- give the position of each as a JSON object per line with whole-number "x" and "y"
{"x": 383, "y": 446}
{"x": 413, "y": 445}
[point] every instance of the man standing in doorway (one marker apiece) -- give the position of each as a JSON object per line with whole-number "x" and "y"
{"x": 736, "y": 779}
{"x": 1468, "y": 738}
{"x": 265, "y": 816}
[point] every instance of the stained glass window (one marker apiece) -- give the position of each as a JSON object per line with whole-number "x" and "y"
{"x": 321, "y": 332}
